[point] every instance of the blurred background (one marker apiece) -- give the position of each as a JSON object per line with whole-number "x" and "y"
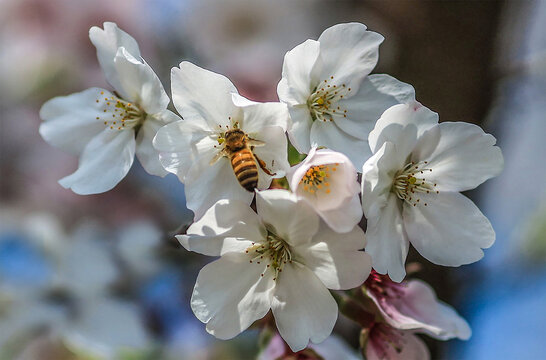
{"x": 102, "y": 277}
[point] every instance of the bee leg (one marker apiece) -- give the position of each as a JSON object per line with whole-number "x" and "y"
{"x": 217, "y": 157}
{"x": 262, "y": 166}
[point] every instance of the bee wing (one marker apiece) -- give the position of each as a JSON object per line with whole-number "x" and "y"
{"x": 254, "y": 142}
{"x": 217, "y": 157}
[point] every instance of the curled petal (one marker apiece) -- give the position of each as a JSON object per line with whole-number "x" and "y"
{"x": 140, "y": 83}
{"x": 299, "y": 130}
{"x": 145, "y": 152}
{"x": 107, "y": 42}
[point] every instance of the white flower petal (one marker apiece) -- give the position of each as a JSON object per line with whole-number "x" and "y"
{"x": 140, "y": 83}
{"x": 230, "y": 294}
{"x": 343, "y": 219}
{"x": 203, "y": 93}
{"x": 107, "y": 42}
{"x": 299, "y": 130}
{"x": 103, "y": 163}
{"x": 450, "y": 230}
{"x": 376, "y": 94}
{"x": 258, "y": 116}
{"x": 393, "y": 122}
{"x": 349, "y": 52}
{"x": 299, "y": 73}
{"x": 462, "y": 157}
{"x": 145, "y": 152}
{"x": 340, "y": 207}
{"x": 303, "y": 308}
{"x": 377, "y": 178}
{"x": 293, "y": 220}
{"x": 70, "y": 122}
{"x": 181, "y": 143}
{"x": 340, "y": 175}
{"x": 335, "y": 258}
{"x": 328, "y": 134}
{"x": 387, "y": 241}
{"x": 203, "y": 190}
{"x": 273, "y": 153}
{"x": 227, "y": 226}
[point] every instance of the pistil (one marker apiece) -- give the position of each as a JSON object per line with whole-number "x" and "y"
{"x": 410, "y": 181}
{"x": 120, "y": 114}
{"x": 317, "y": 178}
{"x": 275, "y": 251}
{"x": 323, "y": 102}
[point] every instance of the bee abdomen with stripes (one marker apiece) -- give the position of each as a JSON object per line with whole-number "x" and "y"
{"x": 245, "y": 168}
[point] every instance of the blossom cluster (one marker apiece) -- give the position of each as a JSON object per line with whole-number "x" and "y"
{"x": 287, "y": 237}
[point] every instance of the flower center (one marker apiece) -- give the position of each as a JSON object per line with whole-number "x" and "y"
{"x": 316, "y": 178}
{"x": 120, "y": 114}
{"x": 323, "y": 101}
{"x": 410, "y": 181}
{"x": 275, "y": 251}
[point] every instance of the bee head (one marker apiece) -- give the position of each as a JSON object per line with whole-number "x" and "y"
{"x": 235, "y": 139}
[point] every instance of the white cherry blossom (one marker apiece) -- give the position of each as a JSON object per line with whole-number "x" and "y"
{"x": 283, "y": 258}
{"x": 332, "y": 100}
{"x": 195, "y": 148}
{"x": 107, "y": 128}
{"x": 328, "y": 181}
{"x": 411, "y": 185}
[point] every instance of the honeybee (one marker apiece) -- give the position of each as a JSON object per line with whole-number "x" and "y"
{"x": 238, "y": 147}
